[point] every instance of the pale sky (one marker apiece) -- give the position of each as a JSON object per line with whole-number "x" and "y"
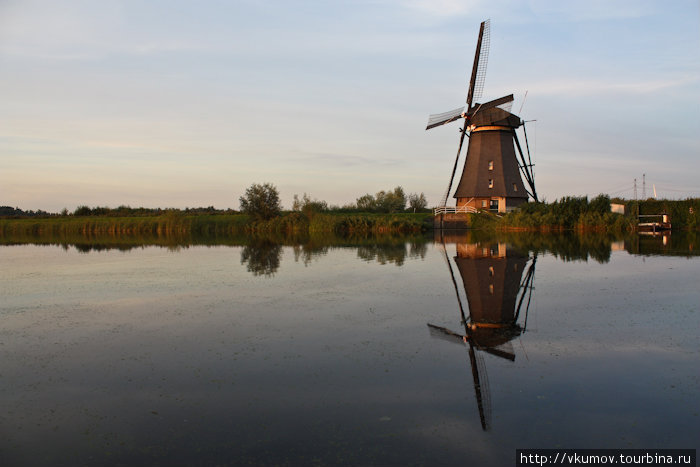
{"x": 185, "y": 104}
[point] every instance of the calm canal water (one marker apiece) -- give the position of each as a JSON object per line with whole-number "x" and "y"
{"x": 387, "y": 351}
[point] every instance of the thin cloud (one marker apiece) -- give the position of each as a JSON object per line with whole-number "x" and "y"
{"x": 591, "y": 10}
{"x": 79, "y": 30}
{"x": 442, "y": 8}
{"x": 535, "y": 10}
{"x": 590, "y": 87}
{"x": 346, "y": 160}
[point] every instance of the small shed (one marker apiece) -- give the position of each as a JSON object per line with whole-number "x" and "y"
{"x": 617, "y": 208}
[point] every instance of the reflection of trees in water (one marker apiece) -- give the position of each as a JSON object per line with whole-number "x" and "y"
{"x": 383, "y": 253}
{"x": 581, "y": 247}
{"x": 384, "y": 248}
{"x": 262, "y": 257}
{"x": 572, "y": 246}
{"x": 393, "y": 252}
{"x": 307, "y": 253}
{"x": 418, "y": 250}
{"x": 89, "y": 247}
{"x": 683, "y": 244}
{"x": 387, "y": 248}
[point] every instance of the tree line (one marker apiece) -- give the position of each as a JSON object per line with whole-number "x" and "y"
{"x": 262, "y": 201}
{"x": 8, "y": 211}
{"x": 127, "y": 211}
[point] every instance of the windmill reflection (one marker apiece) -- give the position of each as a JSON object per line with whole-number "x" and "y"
{"x": 497, "y": 293}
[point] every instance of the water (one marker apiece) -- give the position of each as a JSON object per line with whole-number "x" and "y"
{"x": 322, "y": 353}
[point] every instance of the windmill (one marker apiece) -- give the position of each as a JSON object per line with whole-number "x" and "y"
{"x": 492, "y": 275}
{"x": 491, "y": 178}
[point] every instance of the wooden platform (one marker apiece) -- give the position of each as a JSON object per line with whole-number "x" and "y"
{"x": 452, "y": 221}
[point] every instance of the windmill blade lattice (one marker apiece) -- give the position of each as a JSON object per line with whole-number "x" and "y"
{"x": 476, "y": 83}
{"x": 507, "y": 106}
{"x": 484, "y": 393}
{"x": 445, "y": 117}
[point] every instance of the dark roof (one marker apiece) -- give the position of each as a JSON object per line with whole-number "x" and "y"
{"x": 495, "y": 116}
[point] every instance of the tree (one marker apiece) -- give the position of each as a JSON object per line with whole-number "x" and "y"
{"x": 82, "y": 211}
{"x": 383, "y": 201}
{"x": 308, "y": 206}
{"x": 261, "y": 201}
{"x": 366, "y": 203}
{"x": 393, "y": 201}
{"x": 600, "y": 204}
{"x": 417, "y": 202}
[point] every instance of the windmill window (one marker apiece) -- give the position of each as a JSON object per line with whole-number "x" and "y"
{"x": 491, "y": 289}
{"x": 515, "y": 187}
{"x": 491, "y": 271}
{"x": 490, "y": 182}
{"x": 490, "y": 165}
{"x": 483, "y": 203}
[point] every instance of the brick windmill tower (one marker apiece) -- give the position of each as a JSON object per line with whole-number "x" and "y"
{"x": 492, "y": 178}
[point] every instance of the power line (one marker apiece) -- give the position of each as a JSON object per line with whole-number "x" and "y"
{"x": 619, "y": 190}
{"x": 660, "y": 187}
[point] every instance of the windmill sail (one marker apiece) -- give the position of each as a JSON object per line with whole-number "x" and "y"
{"x": 481, "y": 58}
{"x": 482, "y": 391}
{"x": 445, "y": 117}
{"x": 445, "y": 334}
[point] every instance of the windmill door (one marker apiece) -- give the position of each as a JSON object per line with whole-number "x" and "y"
{"x": 494, "y": 205}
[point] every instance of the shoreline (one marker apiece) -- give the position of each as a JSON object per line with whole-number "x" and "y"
{"x": 568, "y": 214}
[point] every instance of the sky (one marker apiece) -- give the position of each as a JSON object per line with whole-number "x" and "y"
{"x": 187, "y": 103}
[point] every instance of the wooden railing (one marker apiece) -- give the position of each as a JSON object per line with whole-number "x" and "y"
{"x": 450, "y": 210}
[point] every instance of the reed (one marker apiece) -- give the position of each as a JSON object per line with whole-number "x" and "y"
{"x": 368, "y": 222}
{"x": 581, "y": 214}
{"x": 166, "y": 224}
{"x": 178, "y": 223}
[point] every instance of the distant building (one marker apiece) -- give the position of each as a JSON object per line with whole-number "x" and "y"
{"x": 617, "y": 208}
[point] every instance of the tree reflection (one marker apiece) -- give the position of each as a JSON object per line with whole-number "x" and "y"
{"x": 395, "y": 251}
{"x": 663, "y": 244}
{"x": 418, "y": 249}
{"x": 383, "y": 248}
{"x": 383, "y": 253}
{"x": 262, "y": 257}
{"x": 571, "y": 246}
{"x": 306, "y": 253}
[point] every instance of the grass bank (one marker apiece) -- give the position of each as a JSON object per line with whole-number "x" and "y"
{"x": 170, "y": 223}
{"x": 581, "y": 214}
{"x": 343, "y": 223}
{"x": 178, "y": 223}
{"x": 567, "y": 214}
